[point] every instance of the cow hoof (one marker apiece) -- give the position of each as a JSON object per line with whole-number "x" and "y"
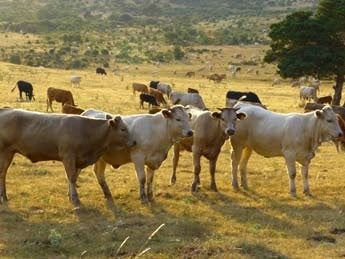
{"x": 144, "y": 200}
{"x": 307, "y": 193}
{"x": 194, "y": 187}
{"x": 214, "y": 188}
{"x": 293, "y": 194}
{"x": 235, "y": 187}
{"x": 3, "y": 199}
{"x": 173, "y": 180}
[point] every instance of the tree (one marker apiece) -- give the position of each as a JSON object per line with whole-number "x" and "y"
{"x": 313, "y": 45}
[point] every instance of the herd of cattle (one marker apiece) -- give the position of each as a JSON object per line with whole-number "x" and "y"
{"x": 145, "y": 139}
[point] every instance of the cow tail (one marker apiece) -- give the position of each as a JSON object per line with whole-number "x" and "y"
{"x": 14, "y": 87}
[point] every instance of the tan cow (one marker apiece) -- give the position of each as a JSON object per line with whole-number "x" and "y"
{"x": 74, "y": 140}
{"x": 158, "y": 95}
{"x": 211, "y": 129}
{"x": 138, "y": 87}
{"x": 70, "y": 109}
{"x": 59, "y": 95}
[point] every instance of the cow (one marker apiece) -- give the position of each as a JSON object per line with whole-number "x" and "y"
{"x": 70, "y": 139}
{"x": 70, "y": 109}
{"x": 216, "y": 78}
{"x": 233, "y": 96}
{"x": 164, "y": 88}
{"x": 154, "y": 84}
{"x": 192, "y": 90}
{"x": 154, "y": 135}
{"x": 293, "y": 136}
{"x": 147, "y": 98}
{"x": 340, "y": 111}
{"x": 158, "y": 96}
{"x": 307, "y": 93}
{"x": 138, "y": 87}
{"x": 75, "y": 80}
{"x": 59, "y": 95}
{"x": 211, "y": 129}
{"x": 26, "y": 87}
{"x": 101, "y": 71}
{"x": 325, "y": 99}
{"x": 190, "y": 74}
{"x": 185, "y": 99}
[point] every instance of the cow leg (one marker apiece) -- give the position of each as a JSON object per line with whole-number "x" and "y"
{"x": 72, "y": 175}
{"x": 304, "y": 171}
{"x": 197, "y": 169}
{"x": 235, "y": 160}
{"x": 213, "y": 163}
{"x": 149, "y": 177}
{"x": 99, "y": 169}
{"x": 176, "y": 157}
{"x": 141, "y": 175}
{"x": 291, "y": 167}
{"x": 243, "y": 167}
{"x": 5, "y": 162}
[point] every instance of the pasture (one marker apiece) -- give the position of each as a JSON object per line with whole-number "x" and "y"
{"x": 264, "y": 222}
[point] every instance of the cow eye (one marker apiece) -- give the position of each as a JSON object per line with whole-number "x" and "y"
{"x": 178, "y": 119}
{"x": 329, "y": 121}
{"x": 123, "y": 130}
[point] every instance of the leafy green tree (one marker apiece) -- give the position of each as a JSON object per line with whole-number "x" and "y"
{"x": 313, "y": 45}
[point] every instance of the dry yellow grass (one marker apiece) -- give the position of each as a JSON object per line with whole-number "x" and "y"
{"x": 265, "y": 222}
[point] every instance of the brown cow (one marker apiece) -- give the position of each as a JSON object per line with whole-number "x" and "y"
{"x": 59, "y": 95}
{"x": 211, "y": 129}
{"x": 158, "y": 95}
{"x": 70, "y": 139}
{"x": 216, "y": 77}
{"x": 325, "y": 99}
{"x": 138, "y": 87}
{"x": 70, "y": 109}
{"x": 192, "y": 90}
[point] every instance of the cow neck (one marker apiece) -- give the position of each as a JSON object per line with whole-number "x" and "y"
{"x": 316, "y": 138}
{"x": 169, "y": 136}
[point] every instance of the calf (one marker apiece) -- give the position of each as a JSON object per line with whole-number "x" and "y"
{"x": 190, "y": 74}
{"x": 101, "y": 71}
{"x": 70, "y": 109}
{"x": 154, "y": 135}
{"x": 138, "y": 87}
{"x": 158, "y": 96}
{"x": 151, "y": 100}
{"x": 154, "y": 84}
{"x": 25, "y": 87}
{"x": 307, "y": 93}
{"x": 164, "y": 88}
{"x": 211, "y": 129}
{"x": 59, "y": 95}
{"x": 70, "y": 139}
{"x": 75, "y": 80}
{"x": 293, "y": 136}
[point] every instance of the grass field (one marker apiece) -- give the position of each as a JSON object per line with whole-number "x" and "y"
{"x": 264, "y": 222}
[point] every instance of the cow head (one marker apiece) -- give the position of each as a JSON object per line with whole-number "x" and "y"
{"x": 329, "y": 123}
{"x": 178, "y": 122}
{"x": 228, "y": 117}
{"x": 122, "y": 135}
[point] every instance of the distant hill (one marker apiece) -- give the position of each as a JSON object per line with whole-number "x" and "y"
{"x": 83, "y": 32}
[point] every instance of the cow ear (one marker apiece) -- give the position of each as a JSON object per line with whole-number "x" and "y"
{"x": 108, "y": 117}
{"x": 166, "y": 113}
{"x": 318, "y": 114}
{"x": 216, "y": 115}
{"x": 114, "y": 122}
{"x": 241, "y": 115}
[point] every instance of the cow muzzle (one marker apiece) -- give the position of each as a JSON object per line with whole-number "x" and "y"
{"x": 189, "y": 133}
{"x": 230, "y": 132}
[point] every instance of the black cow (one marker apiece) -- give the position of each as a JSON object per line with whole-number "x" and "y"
{"x": 100, "y": 71}
{"x": 25, "y": 87}
{"x": 150, "y": 99}
{"x": 154, "y": 84}
{"x": 243, "y": 96}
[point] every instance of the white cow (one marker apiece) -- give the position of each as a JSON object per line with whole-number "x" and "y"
{"x": 154, "y": 135}
{"x": 185, "y": 99}
{"x": 164, "y": 88}
{"x": 211, "y": 129}
{"x": 307, "y": 93}
{"x": 293, "y": 136}
{"x": 75, "y": 80}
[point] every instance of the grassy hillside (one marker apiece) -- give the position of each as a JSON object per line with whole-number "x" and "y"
{"x": 265, "y": 222}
